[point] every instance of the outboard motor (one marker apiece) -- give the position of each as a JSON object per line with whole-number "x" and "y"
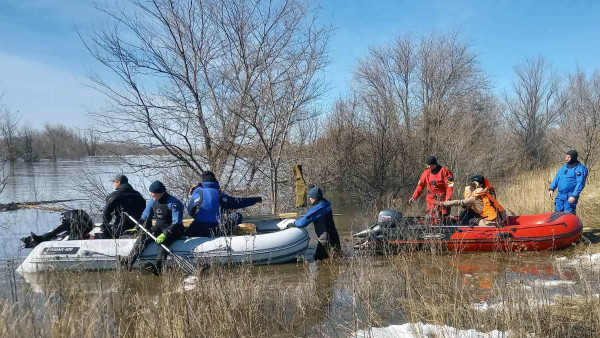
{"x": 389, "y": 218}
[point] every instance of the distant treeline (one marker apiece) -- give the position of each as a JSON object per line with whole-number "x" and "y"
{"x": 52, "y": 142}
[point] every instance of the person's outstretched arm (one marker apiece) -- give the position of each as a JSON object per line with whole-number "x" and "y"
{"x": 230, "y": 202}
{"x": 313, "y": 213}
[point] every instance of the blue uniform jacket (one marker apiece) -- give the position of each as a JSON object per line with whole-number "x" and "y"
{"x": 204, "y": 204}
{"x": 317, "y": 211}
{"x": 570, "y": 181}
{"x": 174, "y": 205}
{"x": 225, "y": 201}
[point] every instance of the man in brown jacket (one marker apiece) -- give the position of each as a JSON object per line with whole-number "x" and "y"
{"x": 487, "y": 209}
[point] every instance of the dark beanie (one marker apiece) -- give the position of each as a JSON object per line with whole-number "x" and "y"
{"x": 208, "y": 176}
{"x": 431, "y": 160}
{"x": 477, "y": 178}
{"x": 573, "y": 154}
{"x": 316, "y": 193}
{"x": 157, "y": 187}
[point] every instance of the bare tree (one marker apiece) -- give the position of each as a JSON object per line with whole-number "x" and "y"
{"x": 8, "y": 152}
{"x": 450, "y": 81}
{"x": 280, "y": 55}
{"x": 91, "y": 141}
{"x": 206, "y": 82}
{"x": 580, "y": 125}
{"x": 173, "y": 93}
{"x": 9, "y": 123}
{"x": 27, "y": 136}
{"x": 59, "y": 142}
{"x": 535, "y": 105}
{"x": 419, "y": 97}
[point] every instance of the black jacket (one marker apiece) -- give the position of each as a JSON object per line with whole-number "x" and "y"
{"x": 124, "y": 198}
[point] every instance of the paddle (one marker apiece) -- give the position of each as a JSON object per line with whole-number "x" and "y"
{"x": 181, "y": 262}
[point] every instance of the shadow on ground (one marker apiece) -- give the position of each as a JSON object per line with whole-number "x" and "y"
{"x": 593, "y": 235}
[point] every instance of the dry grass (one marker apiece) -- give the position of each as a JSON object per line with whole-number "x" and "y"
{"x": 333, "y": 299}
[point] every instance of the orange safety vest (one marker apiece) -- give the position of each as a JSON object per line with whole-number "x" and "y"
{"x": 491, "y": 207}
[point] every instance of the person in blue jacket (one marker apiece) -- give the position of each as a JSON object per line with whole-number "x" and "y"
{"x": 168, "y": 212}
{"x": 322, "y": 216}
{"x": 570, "y": 181}
{"x": 210, "y": 208}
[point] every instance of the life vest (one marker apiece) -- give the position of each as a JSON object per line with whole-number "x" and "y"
{"x": 491, "y": 207}
{"x": 162, "y": 213}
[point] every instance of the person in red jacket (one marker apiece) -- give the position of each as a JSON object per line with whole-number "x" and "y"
{"x": 439, "y": 181}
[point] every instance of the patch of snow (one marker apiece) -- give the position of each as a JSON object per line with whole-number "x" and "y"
{"x": 484, "y": 306}
{"x": 551, "y": 283}
{"x": 590, "y": 259}
{"x": 420, "y": 330}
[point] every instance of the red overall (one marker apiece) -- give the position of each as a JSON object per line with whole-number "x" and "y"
{"x": 440, "y": 184}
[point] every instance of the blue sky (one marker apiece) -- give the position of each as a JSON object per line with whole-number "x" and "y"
{"x": 43, "y": 64}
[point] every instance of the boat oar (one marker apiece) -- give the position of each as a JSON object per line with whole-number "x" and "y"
{"x": 181, "y": 262}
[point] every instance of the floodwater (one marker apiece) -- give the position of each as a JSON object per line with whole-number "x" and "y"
{"x": 78, "y": 181}
{"x": 70, "y": 179}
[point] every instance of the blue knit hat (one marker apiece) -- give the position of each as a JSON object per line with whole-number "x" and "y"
{"x": 157, "y": 187}
{"x": 316, "y": 193}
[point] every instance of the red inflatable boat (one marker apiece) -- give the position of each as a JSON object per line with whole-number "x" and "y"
{"x": 551, "y": 231}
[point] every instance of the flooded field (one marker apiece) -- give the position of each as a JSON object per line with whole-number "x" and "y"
{"x": 527, "y": 293}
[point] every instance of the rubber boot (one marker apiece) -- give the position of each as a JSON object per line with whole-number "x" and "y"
{"x": 38, "y": 239}
{"x": 28, "y": 242}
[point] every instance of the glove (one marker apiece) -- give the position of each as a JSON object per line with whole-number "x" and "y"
{"x": 550, "y": 193}
{"x": 286, "y": 224}
{"x": 132, "y": 230}
{"x": 161, "y": 238}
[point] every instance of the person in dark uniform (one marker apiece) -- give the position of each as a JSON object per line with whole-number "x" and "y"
{"x": 168, "y": 212}
{"x": 212, "y": 210}
{"x": 75, "y": 223}
{"x": 126, "y": 199}
{"x": 321, "y": 215}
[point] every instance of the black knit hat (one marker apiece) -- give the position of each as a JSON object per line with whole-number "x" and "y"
{"x": 573, "y": 154}
{"x": 477, "y": 178}
{"x": 431, "y": 160}
{"x": 157, "y": 187}
{"x": 316, "y": 193}
{"x": 208, "y": 176}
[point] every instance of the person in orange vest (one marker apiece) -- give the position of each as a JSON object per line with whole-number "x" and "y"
{"x": 439, "y": 181}
{"x": 479, "y": 198}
